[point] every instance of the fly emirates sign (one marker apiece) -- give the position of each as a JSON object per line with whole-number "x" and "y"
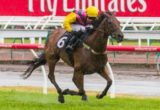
{"x": 126, "y": 8}
{"x": 111, "y": 5}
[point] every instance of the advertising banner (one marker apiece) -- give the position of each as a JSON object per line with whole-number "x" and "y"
{"x": 124, "y": 8}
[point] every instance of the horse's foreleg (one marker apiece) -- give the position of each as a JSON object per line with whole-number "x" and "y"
{"x": 78, "y": 80}
{"x": 51, "y": 76}
{"x": 105, "y": 75}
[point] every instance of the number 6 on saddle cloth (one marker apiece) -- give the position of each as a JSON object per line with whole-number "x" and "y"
{"x": 68, "y": 38}
{"x": 73, "y": 39}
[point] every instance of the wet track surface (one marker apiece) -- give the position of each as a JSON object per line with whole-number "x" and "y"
{"x": 130, "y": 81}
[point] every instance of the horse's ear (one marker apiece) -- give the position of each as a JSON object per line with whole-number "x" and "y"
{"x": 107, "y": 14}
{"x": 113, "y": 13}
{"x": 102, "y": 15}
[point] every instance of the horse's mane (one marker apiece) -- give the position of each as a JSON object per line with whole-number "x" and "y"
{"x": 101, "y": 17}
{"x": 97, "y": 22}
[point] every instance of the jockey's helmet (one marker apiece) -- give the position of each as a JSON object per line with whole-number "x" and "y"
{"x": 92, "y": 11}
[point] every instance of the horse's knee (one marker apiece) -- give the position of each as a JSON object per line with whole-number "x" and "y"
{"x": 74, "y": 79}
{"x": 49, "y": 76}
{"x": 110, "y": 82}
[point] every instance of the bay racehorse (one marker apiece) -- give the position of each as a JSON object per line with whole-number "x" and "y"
{"x": 90, "y": 57}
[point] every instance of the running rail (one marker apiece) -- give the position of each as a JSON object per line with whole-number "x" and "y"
{"x": 134, "y": 48}
{"x": 21, "y": 46}
{"x": 108, "y": 48}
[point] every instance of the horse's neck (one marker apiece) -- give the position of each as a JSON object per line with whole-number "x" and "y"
{"x": 97, "y": 41}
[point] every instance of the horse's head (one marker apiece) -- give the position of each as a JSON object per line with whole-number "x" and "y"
{"x": 110, "y": 25}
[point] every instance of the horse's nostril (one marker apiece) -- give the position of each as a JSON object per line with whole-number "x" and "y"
{"x": 120, "y": 38}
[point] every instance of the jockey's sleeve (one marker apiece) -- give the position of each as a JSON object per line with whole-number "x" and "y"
{"x": 69, "y": 19}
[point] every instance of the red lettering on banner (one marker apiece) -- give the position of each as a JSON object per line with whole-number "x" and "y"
{"x": 124, "y": 8}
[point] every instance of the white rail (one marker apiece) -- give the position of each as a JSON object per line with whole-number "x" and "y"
{"x": 50, "y": 22}
{"x": 18, "y": 22}
{"x": 31, "y": 34}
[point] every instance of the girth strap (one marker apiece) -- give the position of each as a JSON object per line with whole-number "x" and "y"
{"x": 93, "y": 51}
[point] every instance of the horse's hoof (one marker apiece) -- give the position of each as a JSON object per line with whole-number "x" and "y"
{"x": 99, "y": 96}
{"x": 65, "y": 92}
{"x": 84, "y": 98}
{"x": 61, "y": 99}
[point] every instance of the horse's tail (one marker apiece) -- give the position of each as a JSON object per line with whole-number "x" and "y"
{"x": 34, "y": 64}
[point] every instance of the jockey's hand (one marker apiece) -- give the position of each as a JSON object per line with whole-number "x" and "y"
{"x": 89, "y": 28}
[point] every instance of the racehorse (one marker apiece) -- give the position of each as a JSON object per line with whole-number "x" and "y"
{"x": 90, "y": 57}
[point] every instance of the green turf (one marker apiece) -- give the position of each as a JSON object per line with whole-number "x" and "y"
{"x": 14, "y": 100}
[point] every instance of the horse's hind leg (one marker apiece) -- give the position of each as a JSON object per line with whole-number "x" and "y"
{"x": 105, "y": 75}
{"x": 78, "y": 80}
{"x": 51, "y": 63}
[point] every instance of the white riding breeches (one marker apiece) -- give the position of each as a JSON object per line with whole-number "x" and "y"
{"x": 78, "y": 27}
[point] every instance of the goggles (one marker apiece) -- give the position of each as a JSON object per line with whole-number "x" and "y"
{"x": 92, "y": 18}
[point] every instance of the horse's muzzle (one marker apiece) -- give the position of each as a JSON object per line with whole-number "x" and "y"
{"x": 120, "y": 38}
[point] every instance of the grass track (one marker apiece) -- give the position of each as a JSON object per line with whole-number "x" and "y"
{"x": 22, "y": 100}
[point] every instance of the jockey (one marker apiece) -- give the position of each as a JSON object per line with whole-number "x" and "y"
{"x": 79, "y": 22}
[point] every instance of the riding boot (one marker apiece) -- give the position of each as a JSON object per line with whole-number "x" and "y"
{"x": 81, "y": 39}
{"x": 70, "y": 48}
{"x": 77, "y": 38}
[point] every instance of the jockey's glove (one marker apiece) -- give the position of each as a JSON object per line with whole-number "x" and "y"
{"x": 89, "y": 29}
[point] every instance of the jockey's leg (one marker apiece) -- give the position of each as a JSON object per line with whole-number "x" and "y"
{"x": 76, "y": 35}
{"x": 74, "y": 41}
{"x": 69, "y": 47}
{"x": 80, "y": 37}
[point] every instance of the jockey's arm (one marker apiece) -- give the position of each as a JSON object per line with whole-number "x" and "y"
{"x": 69, "y": 19}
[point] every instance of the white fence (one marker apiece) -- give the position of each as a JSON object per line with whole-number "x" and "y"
{"x": 131, "y": 23}
{"x": 31, "y": 34}
{"x": 133, "y": 28}
{"x": 17, "y": 22}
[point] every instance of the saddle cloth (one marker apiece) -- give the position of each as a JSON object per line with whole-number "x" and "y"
{"x": 64, "y": 39}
